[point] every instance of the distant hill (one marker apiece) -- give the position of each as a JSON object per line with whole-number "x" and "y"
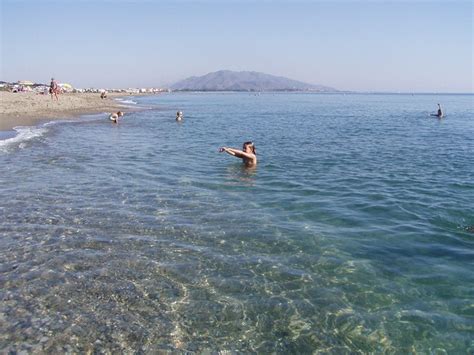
{"x": 227, "y": 80}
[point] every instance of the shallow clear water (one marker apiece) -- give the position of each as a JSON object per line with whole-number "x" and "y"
{"x": 351, "y": 235}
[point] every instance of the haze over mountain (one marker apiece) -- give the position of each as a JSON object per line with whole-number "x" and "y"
{"x": 227, "y": 80}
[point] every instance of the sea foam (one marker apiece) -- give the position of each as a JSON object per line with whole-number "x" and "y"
{"x": 24, "y": 134}
{"x": 126, "y": 101}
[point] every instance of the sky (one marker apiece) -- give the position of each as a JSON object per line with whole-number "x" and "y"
{"x": 388, "y": 46}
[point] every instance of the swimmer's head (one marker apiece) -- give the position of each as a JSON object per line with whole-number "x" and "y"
{"x": 120, "y": 113}
{"x": 249, "y": 147}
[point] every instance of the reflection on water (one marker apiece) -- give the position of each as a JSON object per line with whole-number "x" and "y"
{"x": 141, "y": 238}
{"x": 240, "y": 174}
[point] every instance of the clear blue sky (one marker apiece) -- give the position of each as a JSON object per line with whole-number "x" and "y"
{"x": 411, "y": 46}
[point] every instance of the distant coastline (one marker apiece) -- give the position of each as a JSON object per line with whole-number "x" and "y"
{"x": 404, "y": 93}
{"x": 256, "y": 91}
{"x": 327, "y": 92}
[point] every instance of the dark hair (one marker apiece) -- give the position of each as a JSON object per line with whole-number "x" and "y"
{"x": 250, "y": 143}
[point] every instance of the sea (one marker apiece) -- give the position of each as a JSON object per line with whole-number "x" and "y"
{"x": 354, "y": 233}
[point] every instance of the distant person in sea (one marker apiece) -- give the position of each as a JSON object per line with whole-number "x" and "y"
{"x": 438, "y": 114}
{"x": 179, "y": 116}
{"x": 54, "y": 89}
{"x": 114, "y": 117}
{"x": 248, "y": 154}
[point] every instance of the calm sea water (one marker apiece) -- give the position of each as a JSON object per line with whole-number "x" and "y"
{"x": 351, "y": 235}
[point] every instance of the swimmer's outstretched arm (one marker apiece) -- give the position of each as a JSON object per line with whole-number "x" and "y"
{"x": 236, "y": 152}
{"x": 227, "y": 150}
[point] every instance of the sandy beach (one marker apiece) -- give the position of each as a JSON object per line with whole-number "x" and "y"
{"x": 27, "y": 109}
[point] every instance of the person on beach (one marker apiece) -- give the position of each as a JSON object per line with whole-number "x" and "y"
{"x": 114, "y": 117}
{"x": 179, "y": 116}
{"x": 54, "y": 89}
{"x": 103, "y": 95}
{"x": 248, "y": 154}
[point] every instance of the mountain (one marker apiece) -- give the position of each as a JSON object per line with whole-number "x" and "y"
{"x": 227, "y": 80}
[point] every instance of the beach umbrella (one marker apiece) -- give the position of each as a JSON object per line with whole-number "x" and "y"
{"x": 66, "y": 86}
{"x": 26, "y": 83}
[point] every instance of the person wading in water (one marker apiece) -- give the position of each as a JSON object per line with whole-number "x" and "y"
{"x": 248, "y": 154}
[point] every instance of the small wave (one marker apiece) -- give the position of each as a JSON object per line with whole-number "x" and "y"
{"x": 127, "y": 101}
{"x": 24, "y": 134}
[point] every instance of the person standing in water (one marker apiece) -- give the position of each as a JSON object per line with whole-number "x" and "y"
{"x": 248, "y": 154}
{"x": 439, "y": 113}
{"x": 114, "y": 117}
{"x": 179, "y": 116}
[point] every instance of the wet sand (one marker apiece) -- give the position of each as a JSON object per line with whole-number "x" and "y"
{"x": 28, "y": 109}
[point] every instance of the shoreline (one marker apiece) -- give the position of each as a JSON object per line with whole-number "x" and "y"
{"x": 31, "y": 109}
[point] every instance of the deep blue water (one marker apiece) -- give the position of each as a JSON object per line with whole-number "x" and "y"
{"x": 353, "y": 233}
